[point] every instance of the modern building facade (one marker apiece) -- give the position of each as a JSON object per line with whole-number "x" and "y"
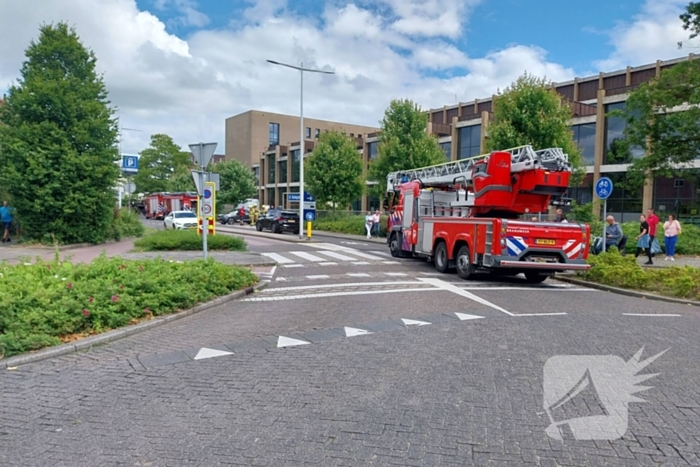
{"x": 269, "y": 144}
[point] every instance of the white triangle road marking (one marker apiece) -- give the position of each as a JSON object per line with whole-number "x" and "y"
{"x": 352, "y": 332}
{"x": 414, "y": 322}
{"x": 289, "y": 342}
{"x": 465, "y": 316}
{"x": 205, "y": 352}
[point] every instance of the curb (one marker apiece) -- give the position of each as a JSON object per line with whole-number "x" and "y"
{"x": 629, "y": 293}
{"x": 116, "y": 334}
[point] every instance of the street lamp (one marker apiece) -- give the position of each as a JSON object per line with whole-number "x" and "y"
{"x": 301, "y": 136}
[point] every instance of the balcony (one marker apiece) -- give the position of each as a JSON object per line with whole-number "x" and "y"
{"x": 467, "y": 117}
{"x": 620, "y": 91}
{"x": 442, "y": 129}
{"x": 581, "y": 110}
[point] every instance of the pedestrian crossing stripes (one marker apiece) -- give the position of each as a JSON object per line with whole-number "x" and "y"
{"x": 327, "y": 254}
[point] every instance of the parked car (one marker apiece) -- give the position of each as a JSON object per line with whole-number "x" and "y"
{"x": 277, "y": 221}
{"x": 234, "y": 217}
{"x": 180, "y": 220}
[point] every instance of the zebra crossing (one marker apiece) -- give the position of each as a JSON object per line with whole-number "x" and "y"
{"x": 328, "y": 254}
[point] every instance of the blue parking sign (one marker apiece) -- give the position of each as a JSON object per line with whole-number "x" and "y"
{"x": 604, "y": 188}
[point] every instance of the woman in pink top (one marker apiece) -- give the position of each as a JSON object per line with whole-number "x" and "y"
{"x": 672, "y": 229}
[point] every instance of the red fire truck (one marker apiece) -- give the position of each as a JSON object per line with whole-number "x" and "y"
{"x": 466, "y": 214}
{"x": 158, "y": 205}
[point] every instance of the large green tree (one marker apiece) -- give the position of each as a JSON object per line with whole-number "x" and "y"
{"x": 58, "y": 140}
{"x": 403, "y": 143}
{"x": 159, "y": 163}
{"x": 237, "y": 182}
{"x": 181, "y": 180}
{"x": 531, "y": 112}
{"x": 691, "y": 19}
{"x": 334, "y": 172}
{"x": 662, "y": 116}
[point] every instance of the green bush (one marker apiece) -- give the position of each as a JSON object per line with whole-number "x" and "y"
{"x": 47, "y": 303}
{"x": 353, "y": 224}
{"x": 187, "y": 240}
{"x": 688, "y": 242}
{"x": 611, "y": 268}
{"x": 125, "y": 223}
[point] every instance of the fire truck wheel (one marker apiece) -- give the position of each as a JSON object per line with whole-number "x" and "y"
{"x": 465, "y": 269}
{"x": 394, "y": 243}
{"x": 441, "y": 261}
{"x": 533, "y": 277}
{"x": 258, "y": 227}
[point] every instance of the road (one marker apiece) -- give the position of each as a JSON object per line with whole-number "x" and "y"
{"x": 350, "y": 357}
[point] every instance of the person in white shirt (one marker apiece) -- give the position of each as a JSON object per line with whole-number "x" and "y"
{"x": 369, "y": 218}
{"x": 672, "y": 229}
{"x": 375, "y": 222}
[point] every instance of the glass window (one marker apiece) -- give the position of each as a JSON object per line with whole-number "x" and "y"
{"x": 625, "y": 203}
{"x": 317, "y": 133}
{"x": 679, "y": 196}
{"x": 616, "y": 151}
{"x": 372, "y": 148}
{"x": 271, "y": 166}
{"x": 271, "y": 197}
{"x": 181, "y": 215}
{"x": 295, "y": 165}
{"x": 447, "y": 149}
{"x": 308, "y": 132}
{"x": 274, "y": 134}
{"x": 256, "y": 172}
{"x": 469, "y": 141}
{"x": 584, "y": 136}
{"x": 283, "y": 172}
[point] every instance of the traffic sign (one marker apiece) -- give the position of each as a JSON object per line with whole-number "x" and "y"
{"x": 208, "y": 200}
{"x": 203, "y": 153}
{"x": 604, "y": 188}
{"x": 292, "y": 196}
{"x": 130, "y": 163}
{"x": 310, "y": 215}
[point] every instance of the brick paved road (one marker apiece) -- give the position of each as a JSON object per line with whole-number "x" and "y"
{"x": 449, "y": 393}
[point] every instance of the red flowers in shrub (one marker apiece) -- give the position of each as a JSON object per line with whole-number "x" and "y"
{"x": 146, "y": 310}
{"x": 115, "y": 298}
{"x": 122, "y": 266}
{"x": 91, "y": 299}
{"x": 69, "y": 285}
{"x": 86, "y": 312}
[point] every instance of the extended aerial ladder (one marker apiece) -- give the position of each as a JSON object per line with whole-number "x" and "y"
{"x": 503, "y": 183}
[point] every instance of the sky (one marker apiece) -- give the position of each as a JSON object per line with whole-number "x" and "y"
{"x": 181, "y": 67}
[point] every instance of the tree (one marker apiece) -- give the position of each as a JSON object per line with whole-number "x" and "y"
{"x": 403, "y": 143}
{"x": 182, "y": 180}
{"x": 334, "y": 172}
{"x": 159, "y": 163}
{"x": 237, "y": 182}
{"x": 691, "y": 19}
{"x": 662, "y": 116}
{"x": 59, "y": 142}
{"x": 530, "y": 112}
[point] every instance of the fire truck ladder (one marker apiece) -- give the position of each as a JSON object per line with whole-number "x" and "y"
{"x": 522, "y": 158}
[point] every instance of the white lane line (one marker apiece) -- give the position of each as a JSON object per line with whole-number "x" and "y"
{"x": 335, "y": 255}
{"x": 539, "y": 314}
{"x": 382, "y": 253}
{"x": 292, "y": 265}
{"x": 650, "y": 314}
{"x": 318, "y": 276}
{"x": 452, "y": 288}
{"x": 278, "y": 258}
{"x": 390, "y": 262}
{"x": 401, "y": 274}
{"x": 350, "y": 284}
{"x": 361, "y": 263}
{"x": 307, "y": 256}
{"x": 283, "y": 341}
{"x": 328, "y": 264}
{"x": 431, "y": 273}
{"x": 335, "y": 294}
{"x": 486, "y": 288}
{"x": 362, "y": 254}
{"x": 281, "y": 279}
{"x": 352, "y": 332}
{"x": 357, "y": 274}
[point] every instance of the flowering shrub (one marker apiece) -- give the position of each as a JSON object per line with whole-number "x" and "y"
{"x": 186, "y": 240}
{"x": 46, "y": 303}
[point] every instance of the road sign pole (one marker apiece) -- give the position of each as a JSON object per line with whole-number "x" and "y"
{"x": 301, "y": 156}
{"x": 205, "y": 219}
{"x": 605, "y": 214}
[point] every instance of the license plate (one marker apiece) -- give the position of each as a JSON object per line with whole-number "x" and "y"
{"x": 291, "y": 221}
{"x": 545, "y": 241}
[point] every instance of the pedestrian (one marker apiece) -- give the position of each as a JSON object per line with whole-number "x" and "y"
{"x": 643, "y": 241}
{"x": 672, "y": 229}
{"x": 6, "y": 218}
{"x": 613, "y": 236}
{"x": 653, "y": 221}
{"x": 369, "y": 219}
{"x": 376, "y": 220}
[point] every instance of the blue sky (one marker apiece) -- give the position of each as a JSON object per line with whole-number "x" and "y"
{"x": 182, "y": 67}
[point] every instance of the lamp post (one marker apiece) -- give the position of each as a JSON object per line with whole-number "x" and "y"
{"x": 301, "y": 137}
{"x": 128, "y": 178}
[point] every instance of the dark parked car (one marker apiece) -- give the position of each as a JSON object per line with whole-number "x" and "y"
{"x": 278, "y": 221}
{"x": 234, "y": 218}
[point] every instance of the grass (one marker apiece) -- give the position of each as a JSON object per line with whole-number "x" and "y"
{"x": 187, "y": 240}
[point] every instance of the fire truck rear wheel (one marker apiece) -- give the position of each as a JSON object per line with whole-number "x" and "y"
{"x": 533, "y": 277}
{"x": 441, "y": 261}
{"x": 394, "y": 243}
{"x": 465, "y": 269}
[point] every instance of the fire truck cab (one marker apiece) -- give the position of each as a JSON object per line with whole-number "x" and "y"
{"x": 466, "y": 214}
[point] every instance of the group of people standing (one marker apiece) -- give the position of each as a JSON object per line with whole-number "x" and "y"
{"x": 647, "y": 236}
{"x": 372, "y": 222}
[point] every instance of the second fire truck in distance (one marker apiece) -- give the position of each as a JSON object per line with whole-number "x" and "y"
{"x": 465, "y": 214}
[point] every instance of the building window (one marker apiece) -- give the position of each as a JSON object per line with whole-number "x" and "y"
{"x": 271, "y": 197}
{"x": 625, "y": 204}
{"x": 295, "y": 165}
{"x": 274, "y": 134}
{"x": 678, "y": 196}
{"x": 372, "y": 149}
{"x": 283, "y": 172}
{"x": 271, "y": 168}
{"x": 317, "y": 133}
{"x": 447, "y": 149}
{"x": 616, "y": 151}
{"x": 469, "y": 141}
{"x": 584, "y": 137}
{"x": 308, "y": 132}
{"x": 256, "y": 172}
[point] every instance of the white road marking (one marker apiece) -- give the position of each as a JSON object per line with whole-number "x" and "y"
{"x": 414, "y": 322}
{"x": 319, "y": 276}
{"x": 465, "y": 316}
{"x": 395, "y": 274}
{"x": 281, "y": 279}
{"x": 352, "y": 332}
{"x": 289, "y": 342}
{"x": 307, "y": 256}
{"x": 452, "y": 288}
{"x": 272, "y": 272}
{"x": 650, "y": 314}
{"x": 292, "y": 265}
{"x": 205, "y": 352}
{"x": 328, "y": 264}
{"x": 278, "y": 258}
{"x": 350, "y": 284}
{"x": 390, "y": 262}
{"x": 357, "y": 274}
{"x": 335, "y": 255}
{"x": 432, "y": 273}
{"x": 336, "y": 294}
{"x": 362, "y": 254}
{"x": 539, "y": 314}
{"x": 361, "y": 263}
{"x": 542, "y": 289}
{"x": 381, "y": 253}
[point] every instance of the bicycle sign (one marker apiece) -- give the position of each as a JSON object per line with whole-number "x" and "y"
{"x": 604, "y": 188}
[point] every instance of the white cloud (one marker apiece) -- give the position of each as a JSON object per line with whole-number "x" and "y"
{"x": 652, "y": 35}
{"x": 186, "y": 88}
